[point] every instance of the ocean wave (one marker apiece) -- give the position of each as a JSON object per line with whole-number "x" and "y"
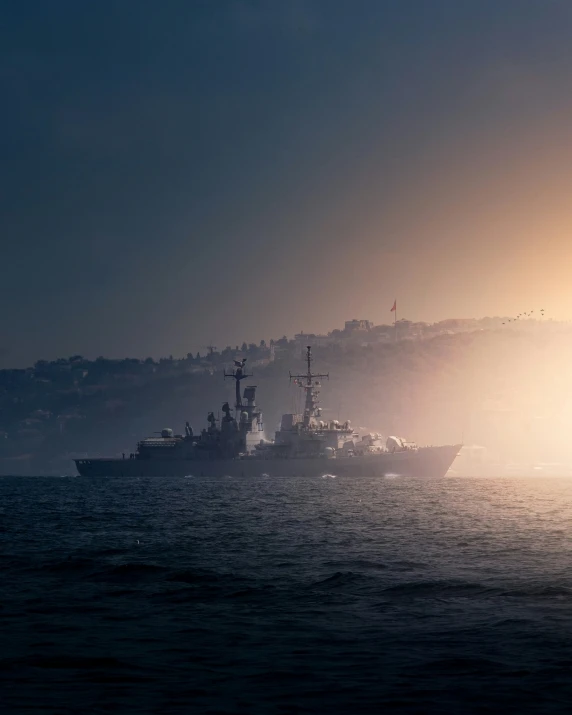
{"x": 405, "y": 565}
{"x": 65, "y": 662}
{"x": 436, "y": 588}
{"x": 461, "y": 665}
{"x": 129, "y": 571}
{"x": 340, "y": 578}
{"x": 69, "y": 565}
{"x": 359, "y": 563}
{"x": 199, "y": 577}
{"x": 541, "y": 591}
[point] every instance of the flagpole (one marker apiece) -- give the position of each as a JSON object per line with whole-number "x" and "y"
{"x": 394, "y": 310}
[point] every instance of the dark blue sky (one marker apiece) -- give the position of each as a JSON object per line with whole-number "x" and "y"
{"x": 179, "y": 171}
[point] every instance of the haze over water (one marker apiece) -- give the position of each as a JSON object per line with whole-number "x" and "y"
{"x": 293, "y": 595}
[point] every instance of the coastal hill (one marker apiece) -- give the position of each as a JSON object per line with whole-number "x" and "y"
{"x": 506, "y": 387}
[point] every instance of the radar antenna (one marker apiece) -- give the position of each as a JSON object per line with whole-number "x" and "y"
{"x": 309, "y": 383}
{"x": 238, "y": 375}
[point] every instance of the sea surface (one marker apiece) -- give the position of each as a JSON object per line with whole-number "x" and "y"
{"x": 258, "y": 595}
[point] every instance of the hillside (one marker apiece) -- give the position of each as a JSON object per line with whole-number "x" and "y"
{"x": 505, "y": 388}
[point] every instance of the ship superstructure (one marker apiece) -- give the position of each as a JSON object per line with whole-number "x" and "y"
{"x": 306, "y": 434}
{"x": 304, "y": 444}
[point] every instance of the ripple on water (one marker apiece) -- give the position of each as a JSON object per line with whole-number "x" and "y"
{"x": 180, "y": 595}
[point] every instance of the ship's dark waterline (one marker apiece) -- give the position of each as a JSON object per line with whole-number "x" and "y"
{"x": 285, "y": 595}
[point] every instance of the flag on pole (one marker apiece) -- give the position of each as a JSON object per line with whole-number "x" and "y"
{"x": 394, "y": 308}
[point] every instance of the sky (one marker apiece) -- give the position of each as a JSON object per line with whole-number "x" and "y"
{"x": 181, "y": 172}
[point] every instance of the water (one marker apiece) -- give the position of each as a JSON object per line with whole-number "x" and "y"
{"x": 285, "y": 596}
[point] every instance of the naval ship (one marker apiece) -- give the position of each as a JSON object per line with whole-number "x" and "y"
{"x": 305, "y": 445}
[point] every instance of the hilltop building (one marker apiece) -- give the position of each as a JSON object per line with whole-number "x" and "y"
{"x": 354, "y": 324}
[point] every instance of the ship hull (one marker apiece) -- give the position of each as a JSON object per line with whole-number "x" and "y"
{"x": 424, "y": 462}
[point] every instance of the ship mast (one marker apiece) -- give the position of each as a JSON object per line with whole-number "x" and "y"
{"x": 310, "y": 384}
{"x": 238, "y": 375}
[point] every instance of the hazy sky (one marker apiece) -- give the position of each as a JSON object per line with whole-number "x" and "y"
{"x": 180, "y": 171}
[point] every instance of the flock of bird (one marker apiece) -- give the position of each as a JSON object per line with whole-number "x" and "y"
{"x": 525, "y": 315}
